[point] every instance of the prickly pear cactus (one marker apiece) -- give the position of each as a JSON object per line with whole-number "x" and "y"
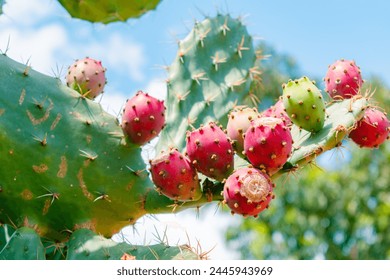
{"x": 21, "y": 244}
{"x": 2, "y": 2}
{"x": 64, "y": 154}
{"x": 211, "y": 73}
{"x": 69, "y": 177}
{"x": 107, "y": 11}
{"x": 85, "y": 244}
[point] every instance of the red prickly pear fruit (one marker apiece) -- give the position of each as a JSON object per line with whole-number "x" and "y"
{"x": 87, "y": 76}
{"x": 372, "y": 130}
{"x": 278, "y": 111}
{"x": 175, "y": 177}
{"x": 238, "y": 122}
{"x": 210, "y": 151}
{"x": 343, "y": 79}
{"x": 248, "y": 191}
{"x": 143, "y": 118}
{"x": 268, "y": 144}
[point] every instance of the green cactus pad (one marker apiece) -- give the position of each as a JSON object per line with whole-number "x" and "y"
{"x": 23, "y": 244}
{"x": 211, "y": 73}
{"x": 304, "y": 104}
{"x": 6, "y": 232}
{"x": 107, "y": 11}
{"x": 2, "y": 2}
{"x": 87, "y": 245}
{"x": 64, "y": 163}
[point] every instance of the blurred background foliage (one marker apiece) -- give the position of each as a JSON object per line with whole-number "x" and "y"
{"x": 336, "y": 208}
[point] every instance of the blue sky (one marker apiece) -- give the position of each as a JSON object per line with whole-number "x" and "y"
{"x": 315, "y": 33}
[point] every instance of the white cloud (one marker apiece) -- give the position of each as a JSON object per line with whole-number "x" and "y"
{"x": 28, "y": 12}
{"x": 157, "y": 88}
{"x": 118, "y": 53}
{"x": 112, "y": 102}
{"x": 37, "y": 47}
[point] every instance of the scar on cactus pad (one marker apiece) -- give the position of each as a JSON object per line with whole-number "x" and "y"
{"x": 87, "y": 76}
{"x": 304, "y": 104}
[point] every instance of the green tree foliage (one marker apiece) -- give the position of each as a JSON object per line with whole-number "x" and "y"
{"x": 336, "y": 208}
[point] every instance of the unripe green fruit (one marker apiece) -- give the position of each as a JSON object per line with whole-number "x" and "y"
{"x": 304, "y": 104}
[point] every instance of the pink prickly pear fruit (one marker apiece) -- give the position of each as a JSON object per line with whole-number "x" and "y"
{"x": 175, "y": 177}
{"x": 278, "y": 111}
{"x": 268, "y": 144}
{"x": 87, "y": 76}
{"x": 372, "y": 130}
{"x": 343, "y": 79}
{"x": 143, "y": 118}
{"x": 248, "y": 191}
{"x": 238, "y": 122}
{"x": 210, "y": 151}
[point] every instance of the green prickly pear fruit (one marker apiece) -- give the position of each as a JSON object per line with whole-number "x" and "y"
{"x": 23, "y": 244}
{"x": 304, "y": 104}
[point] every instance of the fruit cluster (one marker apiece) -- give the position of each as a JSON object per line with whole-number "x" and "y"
{"x": 263, "y": 139}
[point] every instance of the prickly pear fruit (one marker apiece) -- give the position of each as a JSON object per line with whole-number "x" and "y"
{"x": 143, "y": 118}
{"x": 87, "y": 76}
{"x": 211, "y": 151}
{"x": 343, "y": 79}
{"x": 268, "y": 144}
{"x": 175, "y": 177}
{"x": 304, "y": 104}
{"x": 372, "y": 130}
{"x": 239, "y": 121}
{"x": 278, "y": 111}
{"x": 248, "y": 191}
